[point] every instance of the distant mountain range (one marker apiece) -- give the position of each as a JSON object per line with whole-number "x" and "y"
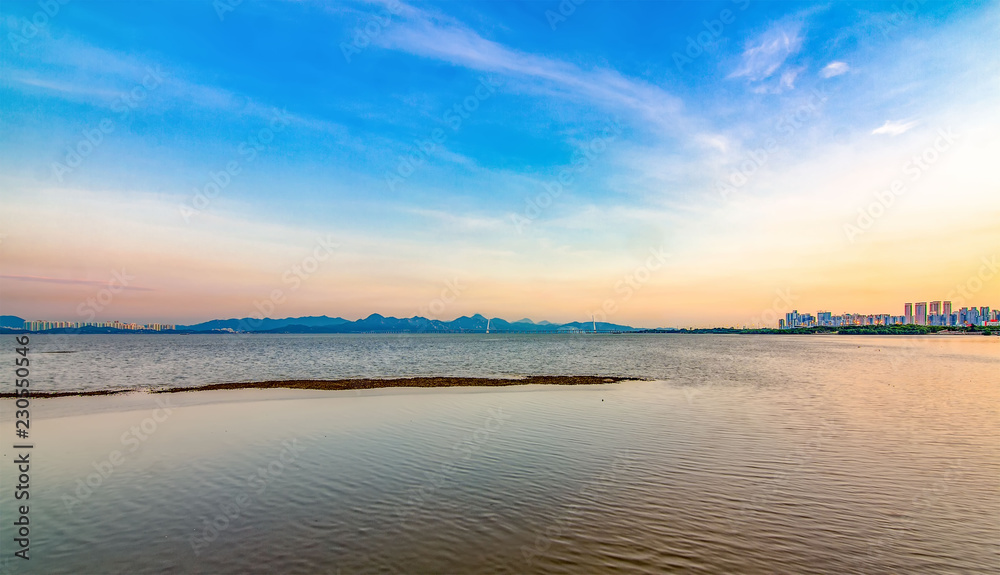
{"x": 266, "y": 324}
{"x": 374, "y": 323}
{"x": 11, "y": 321}
{"x": 380, "y": 323}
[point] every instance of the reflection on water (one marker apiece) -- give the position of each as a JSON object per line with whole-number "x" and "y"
{"x": 749, "y": 455}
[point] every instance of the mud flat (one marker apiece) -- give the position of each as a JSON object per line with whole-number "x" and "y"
{"x": 353, "y": 384}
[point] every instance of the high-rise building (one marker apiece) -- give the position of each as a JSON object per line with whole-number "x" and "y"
{"x": 792, "y": 319}
{"x": 908, "y": 312}
{"x": 934, "y": 316}
{"x": 970, "y": 316}
{"x": 920, "y": 316}
{"x": 946, "y": 307}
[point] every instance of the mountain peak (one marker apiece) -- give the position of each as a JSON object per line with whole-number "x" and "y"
{"x": 376, "y": 323}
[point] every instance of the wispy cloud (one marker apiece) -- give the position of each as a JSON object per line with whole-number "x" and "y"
{"x": 79, "y": 71}
{"x": 765, "y": 54}
{"x": 87, "y": 92}
{"x": 834, "y": 69}
{"x": 785, "y": 81}
{"x": 891, "y": 128}
{"x": 788, "y": 78}
{"x": 442, "y": 38}
{"x": 64, "y": 281}
{"x": 461, "y": 222}
{"x": 102, "y": 77}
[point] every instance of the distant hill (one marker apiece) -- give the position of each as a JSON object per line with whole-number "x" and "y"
{"x": 375, "y": 323}
{"x": 589, "y": 326}
{"x": 417, "y": 324}
{"x": 266, "y": 324}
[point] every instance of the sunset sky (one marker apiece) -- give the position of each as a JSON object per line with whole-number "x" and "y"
{"x": 720, "y": 162}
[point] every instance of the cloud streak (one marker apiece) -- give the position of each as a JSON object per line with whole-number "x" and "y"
{"x": 834, "y": 69}
{"x": 70, "y": 281}
{"x": 894, "y": 128}
{"x": 447, "y": 40}
{"x": 765, "y": 54}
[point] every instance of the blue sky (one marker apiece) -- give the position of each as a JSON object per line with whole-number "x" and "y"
{"x": 649, "y": 107}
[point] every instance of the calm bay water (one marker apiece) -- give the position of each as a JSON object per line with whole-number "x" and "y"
{"x": 743, "y": 454}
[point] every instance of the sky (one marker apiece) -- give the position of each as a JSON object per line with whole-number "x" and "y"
{"x": 649, "y": 163}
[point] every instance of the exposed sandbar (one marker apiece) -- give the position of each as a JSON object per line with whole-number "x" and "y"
{"x": 351, "y": 384}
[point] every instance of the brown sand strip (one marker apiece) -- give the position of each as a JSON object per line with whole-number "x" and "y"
{"x": 348, "y": 384}
{"x": 36, "y": 394}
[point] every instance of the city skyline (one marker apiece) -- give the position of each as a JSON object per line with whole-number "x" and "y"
{"x": 695, "y": 164}
{"x": 42, "y": 325}
{"x": 939, "y": 314}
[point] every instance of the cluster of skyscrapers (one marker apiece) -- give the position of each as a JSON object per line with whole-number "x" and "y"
{"x": 42, "y": 325}
{"x": 935, "y": 313}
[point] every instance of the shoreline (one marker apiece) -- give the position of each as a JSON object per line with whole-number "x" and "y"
{"x": 356, "y": 384}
